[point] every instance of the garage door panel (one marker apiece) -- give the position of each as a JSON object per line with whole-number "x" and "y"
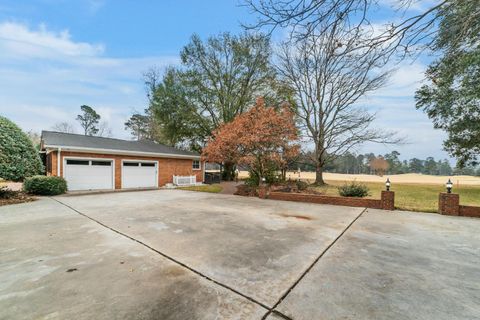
{"x": 139, "y": 175}
{"x": 91, "y": 176}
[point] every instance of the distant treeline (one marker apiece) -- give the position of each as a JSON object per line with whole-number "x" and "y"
{"x": 389, "y": 163}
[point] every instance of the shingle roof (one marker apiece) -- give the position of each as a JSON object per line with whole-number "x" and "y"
{"x": 69, "y": 140}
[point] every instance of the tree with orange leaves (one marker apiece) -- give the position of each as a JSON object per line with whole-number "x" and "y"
{"x": 379, "y": 165}
{"x": 261, "y": 138}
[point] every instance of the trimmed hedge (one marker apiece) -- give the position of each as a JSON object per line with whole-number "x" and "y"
{"x": 45, "y": 186}
{"x": 18, "y": 157}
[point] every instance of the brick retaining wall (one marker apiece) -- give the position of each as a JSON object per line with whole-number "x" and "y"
{"x": 386, "y": 203}
{"x": 449, "y": 204}
{"x": 469, "y": 211}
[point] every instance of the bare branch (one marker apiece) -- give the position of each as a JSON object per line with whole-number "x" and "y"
{"x": 330, "y": 71}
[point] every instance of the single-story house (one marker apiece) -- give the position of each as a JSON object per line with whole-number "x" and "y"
{"x": 95, "y": 163}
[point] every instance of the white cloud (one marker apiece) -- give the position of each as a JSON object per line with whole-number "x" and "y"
{"x": 18, "y": 41}
{"x": 408, "y": 5}
{"x": 46, "y": 75}
{"x": 406, "y": 78}
{"x": 395, "y": 105}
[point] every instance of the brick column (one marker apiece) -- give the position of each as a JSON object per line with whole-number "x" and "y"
{"x": 449, "y": 204}
{"x": 388, "y": 200}
{"x": 263, "y": 191}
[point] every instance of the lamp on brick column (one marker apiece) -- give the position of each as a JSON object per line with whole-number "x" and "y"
{"x": 449, "y": 186}
{"x": 387, "y": 184}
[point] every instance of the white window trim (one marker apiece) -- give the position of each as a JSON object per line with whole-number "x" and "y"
{"x": 138, "y": 160}
{"x": 199, "y": 165}
{"x": 90, "y": 159}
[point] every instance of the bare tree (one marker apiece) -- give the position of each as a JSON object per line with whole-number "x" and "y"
{"x": 408, "y": 29}
{"x": 151, "y": 79}
{"x": 104, "y": 130}
{"x": 330, "y": 72}
{"x": 64, "y": 126}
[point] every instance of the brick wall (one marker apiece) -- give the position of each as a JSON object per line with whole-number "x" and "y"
{"x": 386, "y": 202}
{"x": 312, "y": 198}
{"x": 167, "y": 167}
{"x": 52, "y": 169}
{"x": 449, "y": 204}
{"x": 469, "y": 211}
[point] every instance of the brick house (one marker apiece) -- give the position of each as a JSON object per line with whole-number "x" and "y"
{"x": 96, "y": 163}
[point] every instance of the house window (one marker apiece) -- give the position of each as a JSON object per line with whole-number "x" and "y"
{"x": 101, "y": 163}
{"x": 148, "y": 164}
{"x": 131, "y": 164}
{"x": 196, "y": 164}
{"x": 78, "y": 162}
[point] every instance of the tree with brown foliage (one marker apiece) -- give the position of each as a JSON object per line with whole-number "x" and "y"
{"x": 260, "y": 138}
{"x": 379, "y": 165}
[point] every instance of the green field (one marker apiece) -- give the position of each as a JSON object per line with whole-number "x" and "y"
{"x": 414, "y": 197}
{"x": 212, "y": 188}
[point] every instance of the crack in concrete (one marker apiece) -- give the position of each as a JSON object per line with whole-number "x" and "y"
{"x": 272, "y": 309}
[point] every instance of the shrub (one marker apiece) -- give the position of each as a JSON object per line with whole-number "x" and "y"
{"x": 18, "y": 157}
{"x": 43, "y": 185}
{"x": 353, "y": 190}
{"x": 6, "y": 193}
{"x": 271, "y": 177}
{"x": 301, "y": 185}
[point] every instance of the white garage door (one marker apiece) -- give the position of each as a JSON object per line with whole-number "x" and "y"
{"x": 139, "y": 174}
{"x": 88, "y": 174}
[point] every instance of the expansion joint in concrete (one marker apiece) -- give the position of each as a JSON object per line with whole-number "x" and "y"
{"x": 272, "y": 309}
{"x": 168, "y": 257}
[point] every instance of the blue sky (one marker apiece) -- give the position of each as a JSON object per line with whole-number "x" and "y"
{"x": 56, "y": 55}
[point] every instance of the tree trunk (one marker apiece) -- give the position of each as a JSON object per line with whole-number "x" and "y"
{"x": 319, "y": 163}
{"x": 228, "y": 173}
{"x": 284, "y": 173}
{"x": 319, "y": 175}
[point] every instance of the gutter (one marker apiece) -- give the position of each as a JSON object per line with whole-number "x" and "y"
{"x": 58, "y": 161}
{"x": 122, "y": 152}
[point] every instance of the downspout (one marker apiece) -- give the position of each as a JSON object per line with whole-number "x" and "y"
{"x": 58, "y": 161}
{"x": 204, "y": 168}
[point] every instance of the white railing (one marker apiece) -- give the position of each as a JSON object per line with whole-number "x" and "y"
{"x": 184, "y": 180}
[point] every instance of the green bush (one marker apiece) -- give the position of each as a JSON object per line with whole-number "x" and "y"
{"x": 43, "y": 185}
{"x": 353, "y": 189}
{"x": 18, "y": 157}
{"x": 253, "y": 179}
{"x": 301, "y": 185}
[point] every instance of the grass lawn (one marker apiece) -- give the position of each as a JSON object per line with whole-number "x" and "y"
{"x": 414, "y": 197}
{"x": 212, "y": 188}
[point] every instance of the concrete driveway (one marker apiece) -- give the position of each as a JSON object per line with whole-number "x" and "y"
{"x": 173, "y": 254}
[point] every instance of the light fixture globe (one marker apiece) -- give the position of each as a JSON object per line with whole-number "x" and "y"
{"x": 449, "y": 186}
{"x": 387, "y": 184}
